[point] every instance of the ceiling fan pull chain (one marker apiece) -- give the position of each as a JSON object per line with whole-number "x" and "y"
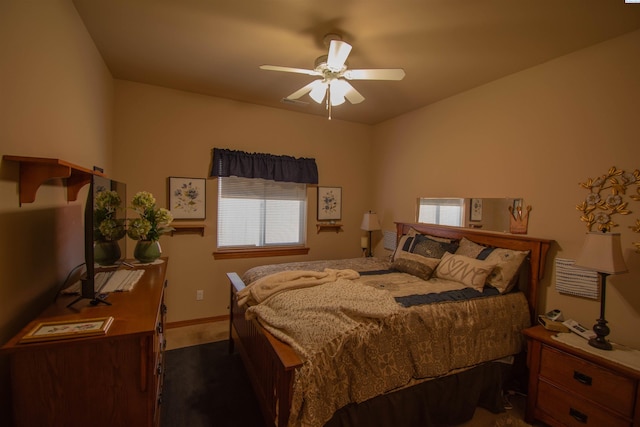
{"x": 329, "y": 99}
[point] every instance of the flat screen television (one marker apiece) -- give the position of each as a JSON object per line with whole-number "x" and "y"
{"x": 98, "y": 185}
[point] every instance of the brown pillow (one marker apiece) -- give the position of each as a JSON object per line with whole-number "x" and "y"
{"x": 430, "y": 248}
{"x": 416, "y": 265}
{"x": 469, "y": 248}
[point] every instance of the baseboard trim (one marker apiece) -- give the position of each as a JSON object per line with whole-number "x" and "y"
{"x": 191, "y": 322}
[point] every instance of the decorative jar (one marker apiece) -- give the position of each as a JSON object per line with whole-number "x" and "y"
{"x": 106, "y": 252}
{"x": 147, "y": 251}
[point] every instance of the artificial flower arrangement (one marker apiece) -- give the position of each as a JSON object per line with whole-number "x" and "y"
{"x": 107, "y": 227}
{"x": 153, "y": 222}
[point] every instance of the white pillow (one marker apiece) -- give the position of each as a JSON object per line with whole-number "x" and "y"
{"x": 508, "y": 264}
{"x": 402, "y": 241}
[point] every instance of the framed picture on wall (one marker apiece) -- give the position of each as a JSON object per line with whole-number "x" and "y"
{"x": 476, "y": 210}
{"x": 329, "y": 203}
{"x": 187, "y": 197}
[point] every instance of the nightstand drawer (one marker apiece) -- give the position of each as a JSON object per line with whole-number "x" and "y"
{"x": 573, "y": 411}
{"x": 588, "y": 380}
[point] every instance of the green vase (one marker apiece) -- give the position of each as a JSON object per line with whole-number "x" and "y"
{"x": 106, "y": 252}
{"x": 147, "y": 251}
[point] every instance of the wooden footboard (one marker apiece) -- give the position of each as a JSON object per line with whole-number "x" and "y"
{"x": 269, "y": 362}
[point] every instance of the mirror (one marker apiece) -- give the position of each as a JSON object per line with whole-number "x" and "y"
{"x": 491, "y": 214}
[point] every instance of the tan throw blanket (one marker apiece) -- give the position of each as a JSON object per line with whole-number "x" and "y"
{"x": 316, "y": 308}
{"x": 273, "y": 284}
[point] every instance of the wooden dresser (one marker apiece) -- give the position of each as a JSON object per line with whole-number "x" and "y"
{"x": 572, "y": 387}
{"x": 109, "y": 380}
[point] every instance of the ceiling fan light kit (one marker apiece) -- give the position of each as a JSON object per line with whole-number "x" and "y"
{"x": 333, "y": 70}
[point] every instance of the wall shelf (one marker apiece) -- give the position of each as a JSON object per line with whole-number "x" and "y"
{"x": 187, "y": 229}
{"x": 327, "y": 226}
{"x": 35, "y": 171}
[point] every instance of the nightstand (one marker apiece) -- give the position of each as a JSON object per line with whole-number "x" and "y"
{"x": 569, "y": 386}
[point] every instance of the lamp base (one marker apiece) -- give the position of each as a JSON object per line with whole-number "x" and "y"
{"x": 601, "y": 343}
{"x": 601, "y": 330}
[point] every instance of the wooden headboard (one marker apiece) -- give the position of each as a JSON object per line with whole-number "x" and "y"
{"x": 537, "y": 248}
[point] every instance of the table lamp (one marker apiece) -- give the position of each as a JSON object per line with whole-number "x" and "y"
{"x": 602, "y": 252}
{"x": 370, "y": 223}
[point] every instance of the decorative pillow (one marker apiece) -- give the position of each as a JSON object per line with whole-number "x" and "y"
{"x": 508, "y": 264}
{"x": 404, "y": 244}
{"x": 468, "y": 271}
{"x": 472, "y": 249}
{"x": 416, "y": 265}
{"x": 430, "y": 248}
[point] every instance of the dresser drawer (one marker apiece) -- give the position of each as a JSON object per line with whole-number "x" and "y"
{"x": 573, "y": 411}
{"x": 588, "y": 380}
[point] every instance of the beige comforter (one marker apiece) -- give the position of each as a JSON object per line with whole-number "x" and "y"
{"x": 356, "y": 342}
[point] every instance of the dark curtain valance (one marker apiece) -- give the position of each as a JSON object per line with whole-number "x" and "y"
{"x": 265, "y": 166}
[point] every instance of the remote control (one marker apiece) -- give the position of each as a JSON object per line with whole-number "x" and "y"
{"x": 579, "y": 329}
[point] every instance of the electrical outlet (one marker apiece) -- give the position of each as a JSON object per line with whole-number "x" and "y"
{"x": 199, "y": 295}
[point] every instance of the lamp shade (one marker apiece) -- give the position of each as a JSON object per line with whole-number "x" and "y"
{"x": 602, "y": 252}
{"x": 370, "y": 222}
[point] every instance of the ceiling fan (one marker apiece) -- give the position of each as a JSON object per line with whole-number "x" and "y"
{"x": 333, "y": 87}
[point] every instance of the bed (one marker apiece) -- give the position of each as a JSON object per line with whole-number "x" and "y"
{"x": 412, "y": 356}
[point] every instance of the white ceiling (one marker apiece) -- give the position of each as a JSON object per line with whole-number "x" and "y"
{"x": 215, "y": 47}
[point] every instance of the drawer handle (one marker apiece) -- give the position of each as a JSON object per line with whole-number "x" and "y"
{"x": 578, "y": 416}
{"x": 582, "y": 378}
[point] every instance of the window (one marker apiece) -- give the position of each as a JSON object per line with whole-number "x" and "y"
{"x": 259, "y": 213}
{"x": 441, "y": 211}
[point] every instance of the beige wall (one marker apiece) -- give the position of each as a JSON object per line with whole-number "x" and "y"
{"x": 161, "y": 132}
{"x": 57, "y": 101}
{"x": 536, "y": 135}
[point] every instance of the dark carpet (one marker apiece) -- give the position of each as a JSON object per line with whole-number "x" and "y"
{"x": 205, "y": 386}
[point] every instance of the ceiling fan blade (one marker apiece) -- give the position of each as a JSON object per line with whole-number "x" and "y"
{"x": 376, "y": 74}
{"x": 338, "y": 53}
{"x": 290, "y": 70}
{"x": 352, "y": 95}
{"x": 303, "y": 91}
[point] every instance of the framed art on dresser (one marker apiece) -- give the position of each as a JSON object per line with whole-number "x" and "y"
{"x": 46, "y": 331}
